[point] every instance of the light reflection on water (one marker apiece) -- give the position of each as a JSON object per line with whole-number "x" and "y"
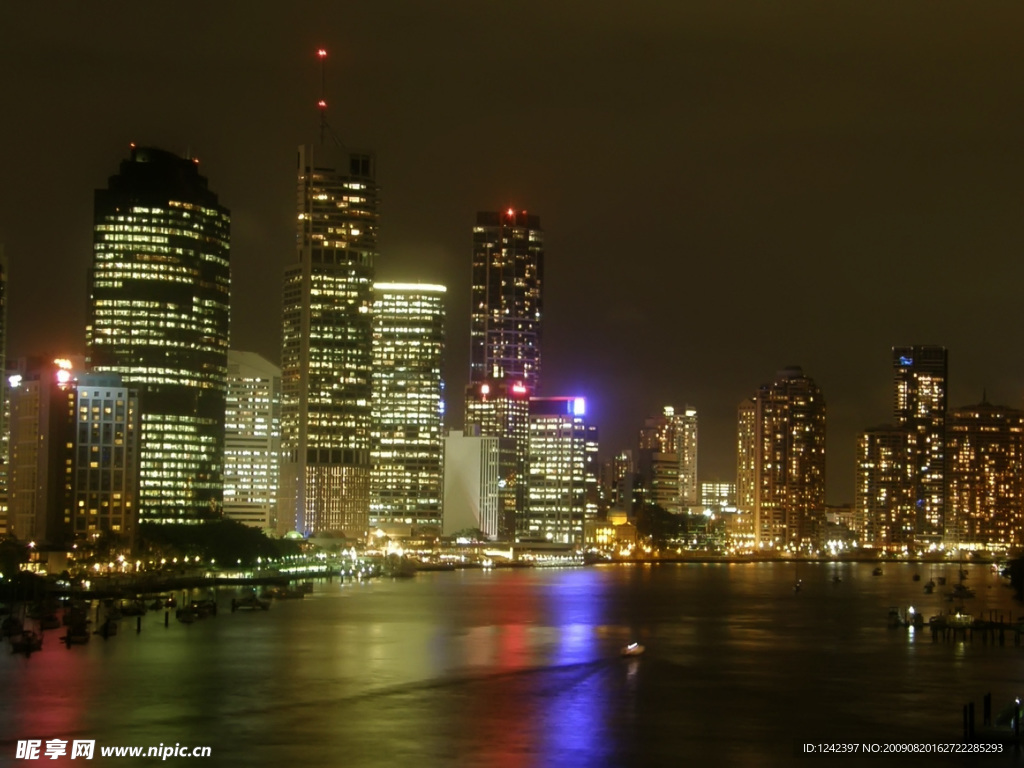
{"x": 522, "y": 668}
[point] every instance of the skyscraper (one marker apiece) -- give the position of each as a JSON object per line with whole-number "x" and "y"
{"x": 159, "y": 292}
{"x": 562, "y": 471}
{"x": 505, "y": 335}
{"x": 788, "y": 461}
{"x": 252, "y": 440}
{"x": 507, "y": 298}
{"x": 327, "y": 349}
{"x": 920, "y": 376}
{"x": 407, "y": 447}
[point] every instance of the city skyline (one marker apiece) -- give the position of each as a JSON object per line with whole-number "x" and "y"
{"x": 794, "y": 186}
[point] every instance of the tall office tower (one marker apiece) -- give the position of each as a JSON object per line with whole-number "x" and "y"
{"x": 252, "y": 440}
{"x": 505, "y": 331}
{"x": 562, "y": 471}
{"x": 159, "y": 292}
{"x": 985, "y": 445}
{"x": 884, "y": 508}
{"x": 746, "y": 455}
{"x": 327, "y": 349}
{"x": 920, "y": 376}
{"x": 787, "y": 458}
{"x": 74, "y": 450}
{"x": 668, "y": 459}
{"x": 507, "y": 298}
{"x": 407, "y": 451}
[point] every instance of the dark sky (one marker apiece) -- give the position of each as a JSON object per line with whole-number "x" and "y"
{"x": 726, "y": 188}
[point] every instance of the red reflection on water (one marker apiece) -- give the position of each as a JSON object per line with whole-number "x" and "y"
{"x": 50, "y": 706}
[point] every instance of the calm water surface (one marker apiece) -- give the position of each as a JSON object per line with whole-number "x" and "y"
{"x": 521, "y": 668}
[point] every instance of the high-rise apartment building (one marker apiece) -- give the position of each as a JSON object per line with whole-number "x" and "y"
{"x": 327, "y": 349}
{"x": 407, "y": 449}
{"x": 158, "y": 316}
{"x": 252, "y": 440}
{"x": 786, "y": 459}
{"x": 920, "y": 376}
{"x": 746, "y": 455}
{"x": 885, "y": 514}
{"x": 562, "y": 471}
{"x": 985, "y": 445}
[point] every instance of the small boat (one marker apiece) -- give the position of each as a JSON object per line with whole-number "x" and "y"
{"x": 798, "y": 585}
{"x": 836, "y": 579}
{"x": 249, "y": 603}
{"x": 877, "y": 571}
{"x": 929, "y": 587}
{"x": 633, "y": 649}
{"x": 917, "y": 577}
{"x": 961, "y": 591}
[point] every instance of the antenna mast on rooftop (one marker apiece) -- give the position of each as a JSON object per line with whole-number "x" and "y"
{"x": 322, "y": 103}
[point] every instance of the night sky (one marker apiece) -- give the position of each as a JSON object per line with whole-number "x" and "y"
{"x": 726, "y": 188}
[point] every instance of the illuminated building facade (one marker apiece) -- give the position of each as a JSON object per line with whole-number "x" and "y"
{"x": 985, "y": 444}
{"x": 562, "y": 472}
{"x": 920, "y": 376}
{"x": 885, "y": 515}
{"x": 502, "y": 409}
{"x": 475, "y": 470}
{"x": 668, "y": 459}
{"x": 746, "y": 455}
{"x": 407, "y": 450}
{"x": 718, "y": 494}
{"x": 507, "y": 298}
{"x": 159, "y": 292}
{"x": 74, "y": 454}
{"x": 327, "y": 345}
{"x": 788, "y": 460}
{"x": 252, "y": 440}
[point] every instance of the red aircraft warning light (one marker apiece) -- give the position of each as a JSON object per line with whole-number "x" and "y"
{"x": 322, "y": 53}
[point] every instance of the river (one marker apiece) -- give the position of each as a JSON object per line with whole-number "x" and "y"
{"x": 521, "y": 668}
